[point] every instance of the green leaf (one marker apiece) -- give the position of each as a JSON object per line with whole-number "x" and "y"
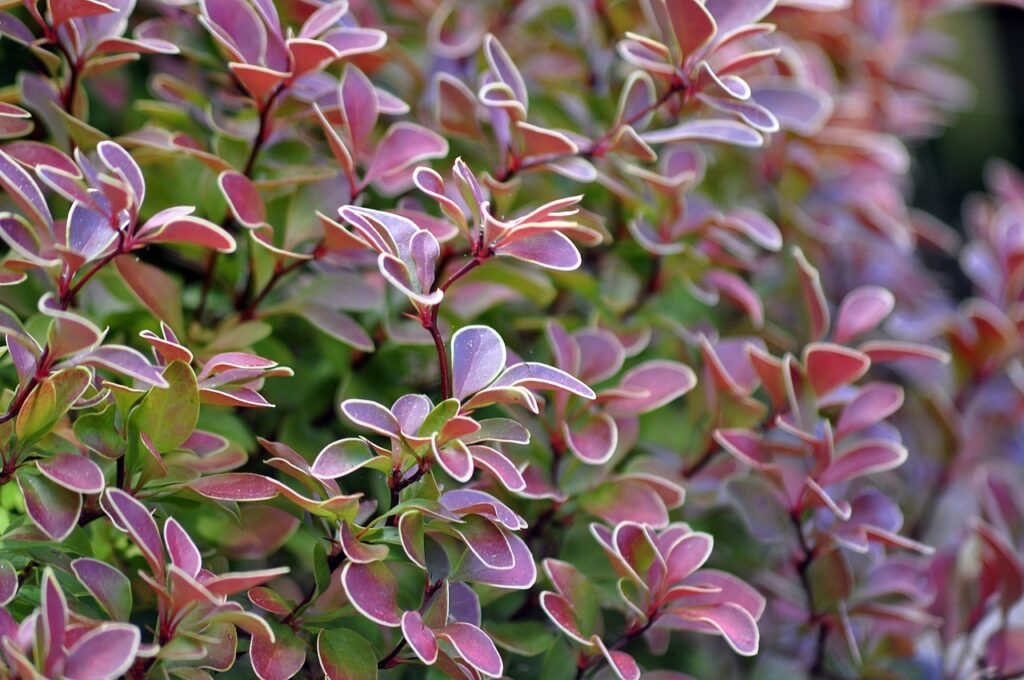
{"x": 346, "y": 655}
{"x": 38, "y": 414}
{"x": 169, "y": 415}
{"x": 160, "y": 293}
{"x": 438, "y": 416}
{"x": 98, "y": 431}
{"x": 527, "y": 638}
{"x": 321, "y": 571}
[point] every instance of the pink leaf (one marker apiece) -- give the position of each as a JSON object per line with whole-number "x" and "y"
{"x": 236, "y": 486}
{"x": 537, "y": 376}
{"x": 623, "y": 665}
{"x": 733, "y": 622}
{"x": 864, "y": 458}
{"x": 861, "y": 311}
{"x": 873, "y": 403}
{"x": 711, "y": 130}
{"x": 500, "y": 466}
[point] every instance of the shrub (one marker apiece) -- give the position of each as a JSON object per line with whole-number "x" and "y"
{"x": 393, "y": 336}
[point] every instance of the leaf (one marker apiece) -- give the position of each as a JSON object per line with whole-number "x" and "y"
{"x": 345, "y": 655}
{"x": 373, "y": 591}
{"x": 594, "y": 442}
{"x": 474, "y": 646}
{"x": 243, "y": 199}
{"x": 277, "y": 658}
{"x": 655, "y": 383}
{"x": 76, "y": 473}
{"x": 420, "y": 638}
{"x": 111, "y": 588}
{"x": 8, "y": 582}
{"x": 832, "y": 366}
{"x": 711, "y": 130}
{"x": 107, "y": 651}
{"x": 66, "y": 10}
{"x": 861, "y": 311}
{"x": 132, "y": 517}
{"x": 553, "y": 250}
{"x": 157, "y": 291}
{"x": 38, "y": 414}
{"x": 345, "y": 456}
{"x": 51, "y": 507}
{"x": 478, "y": 356}
{"x": 169, "y": 415}
{"x": 404, "y": 145}
{"x": 692, "y": 25}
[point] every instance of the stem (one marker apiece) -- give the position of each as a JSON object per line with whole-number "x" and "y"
{"x": 814, "y": 619}
{"x": 249, "y": 311}
{"x": 392, "y": 658}
{"x": 691, "y": 470}
{"x": 430, "y": 324}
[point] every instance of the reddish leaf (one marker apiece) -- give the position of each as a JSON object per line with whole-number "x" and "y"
{"x": 832, "y": 366}
{"x": 76, "y": 473}
{"x": 420, "y": 638}
{"x": 474, "y": 646}
{"x": 373, "y": 590}
{"x": 279, "y": 658}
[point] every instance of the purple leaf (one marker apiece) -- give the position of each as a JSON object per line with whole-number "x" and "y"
{"x": 104, "y": 653}
{"x": 124, "y": 166}
{"x": 454, "y": 459}
{"x": 131, "y": 516}
{"x": 724, "y": 131}
{"x": 54, "y": 509}
{"x": 24, "y": 191}
{"x": 195, "y": 231}
{"x": 111, "y": 588}
{"x": 54, "y": 618}
{"x": 420, "y": 638}
{"x": 76, "y": 473}
{"x": 8, "y": 582}
{"x": 338, "y": 325}
{"x": 478, "y": 356}
{"x": 373, "y": 590}
{"x": 124, "y": 360}
{"x": 553, "y": 250}
{"x": 474, "y": 646}
{"x": 535, "y": 376}
{"x": 372, "y": 416}
{"x": 356, "y": 550}
{"x": 521, "y": 576}
{"x": 350, "y": 41}
{"x": 488, "y": 543}
{"x": 237, "y": 26}
{"x": 500, "y": 466}
{"x": 346, "y": 456}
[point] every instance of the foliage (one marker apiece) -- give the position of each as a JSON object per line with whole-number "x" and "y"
{"x": 387, "y": 339}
